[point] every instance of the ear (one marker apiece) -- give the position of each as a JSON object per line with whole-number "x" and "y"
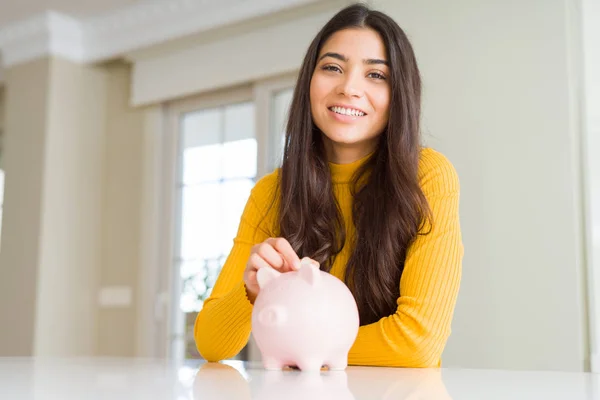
{"x": 266, "y": 275}
{"x": 310, "y": 273}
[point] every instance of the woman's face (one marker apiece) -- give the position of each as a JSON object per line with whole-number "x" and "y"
{"x": 350, "y": 93}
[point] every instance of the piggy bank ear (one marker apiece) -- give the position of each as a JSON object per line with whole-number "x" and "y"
{"x": 266, "y": 275}
{"x": 309, "y": 272}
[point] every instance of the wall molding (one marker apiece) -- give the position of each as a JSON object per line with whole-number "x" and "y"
{"x": 111, "y": 35}
{"x": 50, "y": 33}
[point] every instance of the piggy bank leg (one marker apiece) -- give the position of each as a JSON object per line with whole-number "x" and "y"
{"x": 271, "y": 363}
{"x": 338, "y": 363}
{"x": 310, "y": 365}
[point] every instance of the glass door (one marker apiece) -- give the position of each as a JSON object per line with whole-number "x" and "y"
{"x": 218, "y": 161}
{"x": 217, "y": 147}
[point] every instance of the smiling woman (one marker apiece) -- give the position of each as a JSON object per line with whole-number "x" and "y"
{"x": 357, "y": 194}
{"x": 349, "y": 93}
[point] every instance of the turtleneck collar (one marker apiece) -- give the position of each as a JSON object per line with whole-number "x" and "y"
{"x": 342, "y": 173}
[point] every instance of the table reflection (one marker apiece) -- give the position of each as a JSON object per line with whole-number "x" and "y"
{"x": 236, "y": 381}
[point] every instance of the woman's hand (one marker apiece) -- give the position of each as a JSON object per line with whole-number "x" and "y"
{"x": 276, "y": 253}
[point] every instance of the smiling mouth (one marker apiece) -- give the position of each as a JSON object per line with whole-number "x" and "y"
{"x": 347, "y": 111}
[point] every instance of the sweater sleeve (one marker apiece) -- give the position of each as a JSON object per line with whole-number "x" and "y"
{"x": 223, "y": 326}
{"x": 415, "y": 336}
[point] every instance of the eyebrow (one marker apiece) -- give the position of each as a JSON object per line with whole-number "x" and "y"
{"x": 368, "y": 61}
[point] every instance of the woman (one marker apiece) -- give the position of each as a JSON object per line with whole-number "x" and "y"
{"x": 357, "y": 194}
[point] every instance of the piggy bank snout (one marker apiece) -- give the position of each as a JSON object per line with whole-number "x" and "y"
{"x": 273, "y": 315}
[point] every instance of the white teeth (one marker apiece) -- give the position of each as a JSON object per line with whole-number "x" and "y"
{"x": 347, "y": 111}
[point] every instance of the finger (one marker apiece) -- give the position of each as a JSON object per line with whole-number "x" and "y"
{"x": 270, "y": 255}
{"x": 257, "y": 262}
{"x": 285, "y": 249}
{"x": 252, "y": 278}
{"x": 286, "y": 267}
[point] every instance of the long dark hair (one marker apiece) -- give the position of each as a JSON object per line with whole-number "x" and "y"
{"x": 389, "y": 207}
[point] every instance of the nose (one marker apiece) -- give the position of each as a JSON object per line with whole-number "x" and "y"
{"x": 350, "y": 86}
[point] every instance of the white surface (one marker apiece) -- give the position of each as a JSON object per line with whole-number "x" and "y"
{"x": 132, "y": 379}
{"x": 115, "y": 296}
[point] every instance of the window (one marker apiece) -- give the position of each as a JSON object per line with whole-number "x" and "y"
{"x": 222, "y": 143}
{"x": 219, "y": 153}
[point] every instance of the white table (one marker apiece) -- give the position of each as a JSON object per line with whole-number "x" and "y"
{"x": 132, "y": 379}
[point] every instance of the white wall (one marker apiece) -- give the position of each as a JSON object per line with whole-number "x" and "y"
{"x": 500, "y": 102}
{"x": 71, "y": 212}
{"x": 2, "y": 101}
{"x": 74, "y": 159}
{"x": 121, "y": 263}
{"x": 591, "y": 149}
{"x": 1, "y": 108}
{"x": 497, "y": 102}
{"x": 52, "y": 228}
{"x": 247, "y": 52}
{"x": 26, "y": 93}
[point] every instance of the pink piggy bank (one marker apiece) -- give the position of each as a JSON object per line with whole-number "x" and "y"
{"x": 306, "y": 319}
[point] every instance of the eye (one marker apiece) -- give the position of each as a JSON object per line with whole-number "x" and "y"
{"x": 331, "y": 68}
{"x": 376, "y": 75}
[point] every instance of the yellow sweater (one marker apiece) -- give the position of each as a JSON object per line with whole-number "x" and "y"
{"x": 415, "y": 336}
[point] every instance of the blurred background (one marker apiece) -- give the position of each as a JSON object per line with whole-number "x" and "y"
{"x": 131, "y": 133}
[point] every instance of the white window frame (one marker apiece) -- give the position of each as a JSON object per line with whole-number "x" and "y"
{"x": 158, "y": 279}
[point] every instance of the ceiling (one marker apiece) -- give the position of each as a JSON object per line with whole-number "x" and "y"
{"x": 11, "y": 11}
{"x": 106, "y": 29}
